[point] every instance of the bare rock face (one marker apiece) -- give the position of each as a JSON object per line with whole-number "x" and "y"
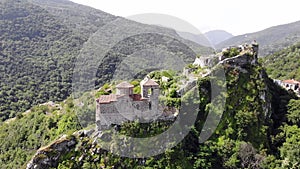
{"x": 48, "y": 157}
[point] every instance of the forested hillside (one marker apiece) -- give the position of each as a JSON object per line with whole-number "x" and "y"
{"x": 284, "y": 64}
{"x": 21, "y": 137}
{"x": 36, "y": 57}
{"x": 81, "y": 19}
{"x": 39, "y": 44}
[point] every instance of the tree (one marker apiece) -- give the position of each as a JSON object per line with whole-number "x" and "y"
{"x": 290, "y": 150}
{"x": 294, "y": 111}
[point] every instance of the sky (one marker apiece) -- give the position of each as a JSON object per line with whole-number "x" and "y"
{"x": 235, "y": 16}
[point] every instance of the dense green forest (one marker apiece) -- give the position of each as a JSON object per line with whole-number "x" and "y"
{"x": 36, "y": 57}
{"x": 40, "y": 41}
{"x": 284, "y": 64}
{"x": 21, "y": 137}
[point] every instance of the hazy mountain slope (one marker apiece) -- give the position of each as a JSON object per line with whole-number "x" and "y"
{"x": 40, "y": 41}
{"x": 210, "y": 39}
{"x": 284, "y": 64}
{"x": 217, "y": 36}
{"x": 88, "y": 20}
{"x": 78, "y": 17}
{"x": 200, "y": 39}
{"x": 271, "y": 40}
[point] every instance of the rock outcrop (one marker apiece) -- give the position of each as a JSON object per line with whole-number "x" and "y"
{"x": 48, "y": 157}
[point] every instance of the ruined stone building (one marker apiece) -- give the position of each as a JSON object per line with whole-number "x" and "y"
{"x": 127, "y": 106}
{"x": 203, "y": 62}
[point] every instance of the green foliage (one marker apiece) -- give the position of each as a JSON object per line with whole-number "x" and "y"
{"x": 103, "y": 90}
{"x": 136, "y": 129}
{"x": 20, "y": 138}
{"x": 271, "y": 162}
{"x": 244, "y": 106}
{"x": 290, "y": 150}
{"x": 173, "y": 93}
{"x": 137, "y": 87}
{"x": 290, "y": 134}
{"x": 231, "y": 52}
{"x": 284, "y": 64}
{"x": 85, "y": 109}
{"x": 36, "y": 55}
{"x": 294, "y": 112}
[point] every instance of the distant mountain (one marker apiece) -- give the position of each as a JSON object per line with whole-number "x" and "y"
{"x": 40, "y": 41}
{"x": 270, "y": 40}
{"x": 200, "y": 38}
{"x": 209, "y": 39}
{"x": 217, "y": 36}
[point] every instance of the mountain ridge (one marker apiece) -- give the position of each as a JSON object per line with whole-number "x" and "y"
{"x": 270, "y": 39}
{"x": 209, "y": 39}
{"x": 217, "y": 36}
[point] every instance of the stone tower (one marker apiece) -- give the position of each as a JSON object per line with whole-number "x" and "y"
{"x": 255, "y": 48}
{"x": 124, "y": 88}
{"x": 150, "y": 90}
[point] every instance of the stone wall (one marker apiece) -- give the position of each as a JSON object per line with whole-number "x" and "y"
{"x": 208, "y": 61}
{"x": 187, "y": 87}
{"x": 239, "y": 60}
{"x": 125, "y": 109}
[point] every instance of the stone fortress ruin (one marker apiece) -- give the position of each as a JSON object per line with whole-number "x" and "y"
{"x": 126, "y": 106}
